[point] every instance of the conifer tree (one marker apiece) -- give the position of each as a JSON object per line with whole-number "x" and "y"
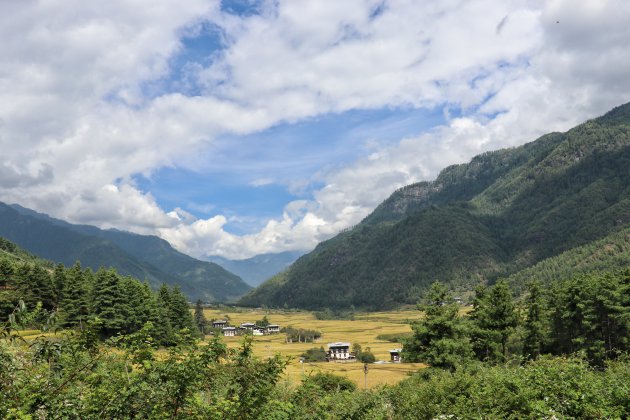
{"x": 59, "y": 282}
{"x": 536, "y": 322}
{"x": 180, "y": 311}
{"x": 200, "y": 319}
{"x": 110, "y": 304}
{"x": 438, "y": 339}
{"x": 74, "y": 305}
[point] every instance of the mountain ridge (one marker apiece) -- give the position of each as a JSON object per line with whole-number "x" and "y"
{"x": 141, "y": 256}
{"x": 496, "y": 215}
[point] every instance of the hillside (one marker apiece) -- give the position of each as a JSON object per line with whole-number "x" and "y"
{"x": 140, "y": 256}
{"x": 259, "y": 268}
{"x": 497, "y": 215}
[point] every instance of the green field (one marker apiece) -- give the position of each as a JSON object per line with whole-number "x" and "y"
{"x": 363, "y": 330}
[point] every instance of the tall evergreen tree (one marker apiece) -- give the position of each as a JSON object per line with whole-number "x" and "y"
{"x": 109, "y": 302}
{"x": 438, "y": 339}
{"x": 536, "y": 322}
{"x": 74, "y": 305}
{"x": 200, "y": 319}
{"x": 494, "y": 319}
{"x": 180, "y": 311}
{"x": 59, "y": 282}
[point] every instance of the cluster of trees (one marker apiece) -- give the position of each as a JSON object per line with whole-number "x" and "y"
{"x": 301, "y": 335}
{"x": 71, "y": 297}
{"x": 588, "y": 315}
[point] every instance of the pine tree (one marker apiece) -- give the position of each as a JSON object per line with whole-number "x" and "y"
{"x": 179, "y": 311}
{"x": 109, "y": 302}
{"x": 76, "y": 293}
{"x": 200, "y": 319}
{"x": 438, "y": 339}
{"x": 494, "y": 319}
{"x": 535, "y": 325}
{"x": 59, "y": 282}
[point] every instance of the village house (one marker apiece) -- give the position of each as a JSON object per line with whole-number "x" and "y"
{"x": 273, "y": 329}
{"x": 248, "y": 326}
{"x": 219, "y": 323}
{"x": 229, "y": 331}
{"x": 395, "y": 355}
{"x": 339, "y": 351}
{"x": 258, "y": 331}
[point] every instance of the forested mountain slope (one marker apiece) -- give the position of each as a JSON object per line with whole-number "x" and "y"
{"x": 143, "y": 257}
{"x": 501, "y": 213}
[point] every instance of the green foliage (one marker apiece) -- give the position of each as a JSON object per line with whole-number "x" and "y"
{"x": 494, "y": 319}
{"x": 439, "y": 338}
{"x": 394, "y": 337}
{"x": 315, "y": 354}
{"x": 331, "y": 383}
{"x": 301, "y": 334}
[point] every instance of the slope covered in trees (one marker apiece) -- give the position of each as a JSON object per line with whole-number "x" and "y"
{"x": 140, "y": 256}
{"x": 75, "y": 297}
{"x": 497, "y": 215}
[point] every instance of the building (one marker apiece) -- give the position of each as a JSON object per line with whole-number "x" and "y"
{"x": 248, "y": 325}
{"x": 229, "y": 331}
{"x": 219, "y": 323}
{"x": 258, "y": 331}
{"x": 273, "y": 329}
{"x": 395, "y": 355}
{"x": 339, "y": 351}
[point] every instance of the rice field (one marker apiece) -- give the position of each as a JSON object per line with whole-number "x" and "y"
{"x": 363, "y": 330}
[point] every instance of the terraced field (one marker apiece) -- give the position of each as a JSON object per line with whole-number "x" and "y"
{"x": 363, "y": 330}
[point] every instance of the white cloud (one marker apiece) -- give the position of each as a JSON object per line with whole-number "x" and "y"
{"x": 75, "y": 125}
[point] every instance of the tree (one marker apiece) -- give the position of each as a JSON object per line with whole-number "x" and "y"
{"x": 536, "y": 322}
{"x": 494, "y": 318}
{"x": 74, "y": 304}
{"x": 200, "y": 319}
{"x": 109, "y": 302}
{"x": 438, "y": 339}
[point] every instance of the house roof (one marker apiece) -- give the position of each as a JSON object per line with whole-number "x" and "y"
{"x": 272, "y": 325}
{"x": 339, "y": 344}
{"x": 395, "y": 350}
{"x": 229, "y": 328}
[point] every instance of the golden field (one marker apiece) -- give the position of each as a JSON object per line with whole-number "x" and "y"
{"x": 363, "y": 330}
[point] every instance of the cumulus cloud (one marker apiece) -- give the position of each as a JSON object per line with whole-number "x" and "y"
{"x": 75, "y": 124}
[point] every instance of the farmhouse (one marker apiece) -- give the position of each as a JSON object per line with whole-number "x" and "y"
{"x": 248, "y": 325}
{"x": 273, "y": 329}
{"x": 258, "y": 331}
{"x": 339, "y": 351}
{"x": 229, "y": 331}
{"x": 395, "y": 355}
{"x": 219, "y": 323}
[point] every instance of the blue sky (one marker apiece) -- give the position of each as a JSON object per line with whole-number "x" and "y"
{"x": 244, "y": 127}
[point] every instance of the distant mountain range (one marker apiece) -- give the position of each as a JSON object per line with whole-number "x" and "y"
{"x": 259, "y": 268}
{"x": 144, "y": 257}
{"x": 550, "y": 208}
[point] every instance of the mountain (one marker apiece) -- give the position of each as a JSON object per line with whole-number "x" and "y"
{"x": 259, "y": 268}
{"x": 501, "y": 213}
{"x": 140, "y": 256}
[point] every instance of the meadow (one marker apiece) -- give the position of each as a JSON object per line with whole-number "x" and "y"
{"x": 364, "y": 330}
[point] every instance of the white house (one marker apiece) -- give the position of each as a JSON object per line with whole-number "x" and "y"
{"x": 258, "y": 331}
{"x": 395, "y": 355}
{"x": 273, "y": 329}
{"x": 219, "y": 323}
{"x": 229, "y": 331}
{"x": 339, "y": 351}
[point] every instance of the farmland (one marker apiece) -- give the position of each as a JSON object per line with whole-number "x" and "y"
{"x": 364, "y": 330}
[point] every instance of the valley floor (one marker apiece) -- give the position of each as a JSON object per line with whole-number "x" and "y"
{"x": 364, "y": 330}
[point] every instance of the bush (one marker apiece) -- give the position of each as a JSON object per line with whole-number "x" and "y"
{"x": 332, "y": 383}
{"x": 315, "y": 354}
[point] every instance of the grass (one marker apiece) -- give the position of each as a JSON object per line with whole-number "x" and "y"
{"x": 364, "y": 330}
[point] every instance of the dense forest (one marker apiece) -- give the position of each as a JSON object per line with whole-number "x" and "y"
{"x": 563, "y": 197}
{"x": 74, "y": 298}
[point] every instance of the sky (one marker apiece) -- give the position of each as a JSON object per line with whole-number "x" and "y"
{"x": 243, "y": 127}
